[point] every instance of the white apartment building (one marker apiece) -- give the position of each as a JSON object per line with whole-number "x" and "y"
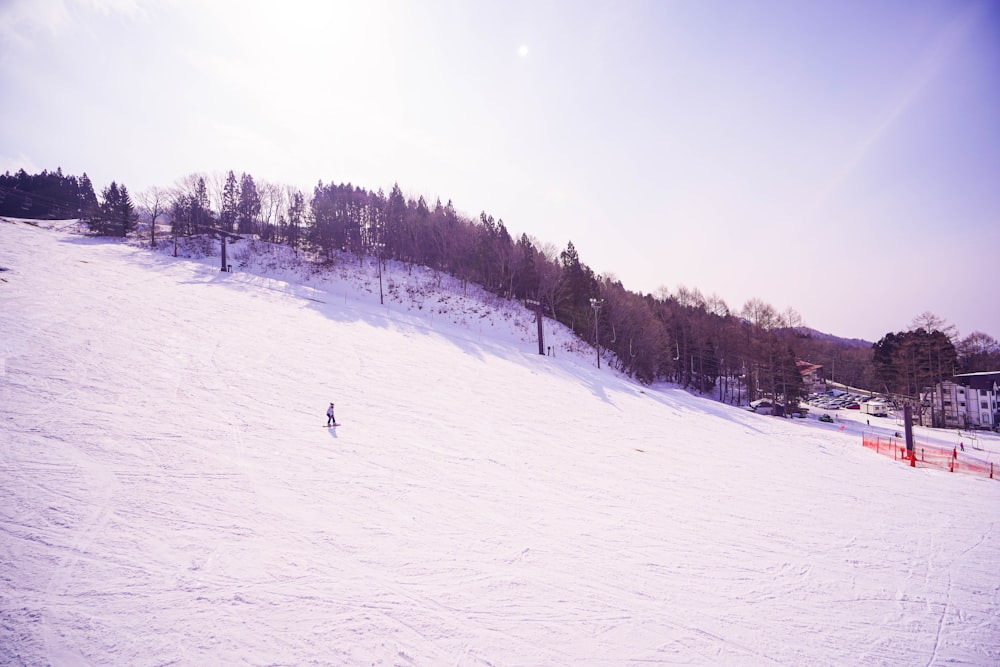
{"x": 971, "y": 400}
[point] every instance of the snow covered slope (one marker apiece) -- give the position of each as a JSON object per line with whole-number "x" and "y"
{"x": 169, "y": 494}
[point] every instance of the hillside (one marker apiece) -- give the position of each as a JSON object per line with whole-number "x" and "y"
{"x": 169, "y": 493}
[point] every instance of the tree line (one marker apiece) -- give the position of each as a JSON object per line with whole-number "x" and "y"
{"x": 46, "y": 195}
{"x": 682, "y": 337}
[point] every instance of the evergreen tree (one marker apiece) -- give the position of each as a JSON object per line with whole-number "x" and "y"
{"x": 86, "y": 199}
{"x": 323, "y": 233}
{"x": 393, "y": 219}
{"x": 908, "y": 362}
{"x": 248, "y": 206}
{"x": 296, "y": 218}
{"x": 577, "y": 287}
{"x": 116, "y": 214}
{"x": 46, "y": 195}
{"x": 201, "y": 207}
{"x": 228, "y": 211}
{"x": 526, "y": 285}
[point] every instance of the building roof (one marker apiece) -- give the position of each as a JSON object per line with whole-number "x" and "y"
{"x": 806, "y": 367}
{"x": 981, "y": 381}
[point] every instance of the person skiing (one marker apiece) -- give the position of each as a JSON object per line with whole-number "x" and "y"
{"x": 330, "y": 420}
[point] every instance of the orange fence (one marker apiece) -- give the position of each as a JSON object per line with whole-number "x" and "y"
{"x": 930, "y": 456}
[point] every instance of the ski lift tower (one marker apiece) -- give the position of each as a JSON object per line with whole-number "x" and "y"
{"x": 908, "y": 428}
{"x": 538, "y": 319}
{"x": 379, "y": 247}
{"x": 223, "y": 236}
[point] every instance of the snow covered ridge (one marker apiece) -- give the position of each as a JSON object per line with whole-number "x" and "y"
{"x": 434, "y": 295}
{"x": 170, "y": 493}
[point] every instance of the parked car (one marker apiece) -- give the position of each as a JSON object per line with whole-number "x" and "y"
{"x": 826, "y": 418}
{"x": 853, "y": 406}
{"x": 766, "y": 406}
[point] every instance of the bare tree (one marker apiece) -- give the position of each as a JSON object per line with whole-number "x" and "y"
{"x": 716, "y": 306}
{"x": 791, "y": 319}
{"x": 154, "y": 202}
{"x": 762, "y": 345}
{"x": 979, "y": 352}
{"x": 691, "y": 297}
{"x": 761, "y": 314}
{"x": 938, "y": 345}
{"x": 549, "y": 272}
{"x": 273, "y": 207}
{"x": 930, "y": 322}
{"x": 216, "y": 182}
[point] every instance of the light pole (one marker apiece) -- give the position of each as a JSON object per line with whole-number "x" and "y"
{"x": 378, "y": 258}
{"x": 596, "y": 305}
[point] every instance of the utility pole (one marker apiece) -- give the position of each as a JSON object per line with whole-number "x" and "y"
{"x": 538, "y": 319}
{"x": 596, "y": 305}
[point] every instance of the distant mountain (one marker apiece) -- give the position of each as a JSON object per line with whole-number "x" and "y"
{"x": 806, "y": 332}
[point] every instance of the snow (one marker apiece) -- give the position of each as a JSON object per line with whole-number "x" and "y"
{"x": 169, "y": 493}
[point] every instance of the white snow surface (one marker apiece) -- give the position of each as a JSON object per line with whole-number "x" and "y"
{"x": 170, "y": 495}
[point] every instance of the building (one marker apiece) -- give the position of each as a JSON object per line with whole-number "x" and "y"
{"x": 875, "y": 408}
{"x": 812, "y": 377}
{"x": 971, "y": 400}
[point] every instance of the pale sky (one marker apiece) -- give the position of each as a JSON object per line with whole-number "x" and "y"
{"x": 839, "y": 158}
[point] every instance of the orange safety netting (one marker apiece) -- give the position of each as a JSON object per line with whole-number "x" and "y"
{"x": 931, "y": 456}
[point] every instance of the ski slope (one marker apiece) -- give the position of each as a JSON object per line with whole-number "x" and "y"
{"x": 169, "y": 494}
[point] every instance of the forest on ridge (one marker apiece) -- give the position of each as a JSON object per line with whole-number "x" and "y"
{"x": 682, "y": 336}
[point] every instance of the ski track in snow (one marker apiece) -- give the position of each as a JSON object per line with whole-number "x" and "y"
{"x": 167, "y": 498}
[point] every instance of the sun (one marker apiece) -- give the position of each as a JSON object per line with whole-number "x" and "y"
{"x": 523, "y": 50}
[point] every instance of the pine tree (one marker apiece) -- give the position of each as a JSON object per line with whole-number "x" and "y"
{"x": 248, "y": 205}
{"x": 86, "y": 199}
{"x": 116, "y": 214}
{"x": 296, "y": 217}
{"x": 393, "y": 218}
{"x": 526, "y": 285}
{"x": 125, "y": 217}
{"x": 577, "y": 286}
{"x": 230, "y": 203}
{"x": 201, "y": 209}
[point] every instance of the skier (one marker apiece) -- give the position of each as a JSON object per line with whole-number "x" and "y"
{"x": 330, "y": 420}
